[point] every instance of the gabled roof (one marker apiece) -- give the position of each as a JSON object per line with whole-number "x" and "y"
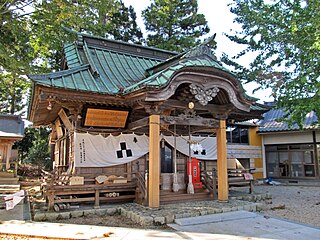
{"x": 95, "y": 68}
{"x": 108, "y": 72}
{"x": 103, "y": 66}
{"x": 271, "y": 122}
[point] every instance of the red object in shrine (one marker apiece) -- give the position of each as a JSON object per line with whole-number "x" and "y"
{"x": 195, "y": 172}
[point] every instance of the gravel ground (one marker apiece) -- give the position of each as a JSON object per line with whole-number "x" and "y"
{"x": 295, "y": 203}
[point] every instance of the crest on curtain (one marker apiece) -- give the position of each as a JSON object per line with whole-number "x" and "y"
{"x": 98, "y": 151}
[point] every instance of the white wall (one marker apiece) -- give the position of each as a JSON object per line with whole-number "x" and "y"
{"x": 287, "y": 138}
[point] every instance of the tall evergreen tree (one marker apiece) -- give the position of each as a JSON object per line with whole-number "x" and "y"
{"x": 15, "y": 54}
{"x": 34, "y": 37}
{"x": 15, "y": 50}
{"x": 105, "y": 18}
{"x": 12, "y": 88}
{"x": 174, "y": 24}
{"x": 285, "y": 36}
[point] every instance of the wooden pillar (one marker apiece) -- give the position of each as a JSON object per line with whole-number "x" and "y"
{"x": 9, "y": 147}
{"x": 223, "y": 190}
{"x": 154, "y": 162}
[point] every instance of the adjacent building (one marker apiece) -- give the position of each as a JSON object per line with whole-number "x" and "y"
{"x": 11, "y": 130}
{"x": 290, "y": 153}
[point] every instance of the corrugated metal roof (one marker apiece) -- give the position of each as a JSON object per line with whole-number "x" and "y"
{"x": 259, "y": 107}
{"x": 271, "y": 122}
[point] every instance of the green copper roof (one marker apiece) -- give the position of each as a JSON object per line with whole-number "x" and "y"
{"x": 119, "y": 70}
{"x": 162, "y": 77}
{"x": 78, "y": 78}
{"x": 96, "y": 69}
{"x": 111, "y": 67}
{"x": 72, "y": 55}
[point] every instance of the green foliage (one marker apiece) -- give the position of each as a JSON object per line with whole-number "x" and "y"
{"x": 34, "y": 148}
{"x": 12, "y": 88}
{"x": 34, "y": 37}
{"x": 98, "y": 17}
{"x": 15, "y": 55}
{"x": 285, "y": 36}
{"x": 15, "y": 50}
{"x": 25, "y": 143}
{"x": 174, "y": 24}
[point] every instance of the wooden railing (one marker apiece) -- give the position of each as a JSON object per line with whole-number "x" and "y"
{"x": 236, "y": 178}
{"x": 209, "y": 180}
{"x": 240, "y": 178}
{"x": 58, "y": 190}
{"x": 59, "y": 169}
{"x": 142, "y": 187}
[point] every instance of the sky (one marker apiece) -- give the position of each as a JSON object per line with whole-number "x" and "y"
{"x": 220, "y": 20}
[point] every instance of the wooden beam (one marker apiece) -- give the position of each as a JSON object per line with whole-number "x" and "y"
{"x": 138, "y": 124}
{"x": 197, "y": 121}
{"x": 223, "y": 191}
{"x": 171, "y": 104}
{"x": 64, "y": 118}
{"x": 154, "y": 162}
{"x": 58, "y": 128}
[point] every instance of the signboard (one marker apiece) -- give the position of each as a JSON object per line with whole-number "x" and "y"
{"x": 105, "y": 118}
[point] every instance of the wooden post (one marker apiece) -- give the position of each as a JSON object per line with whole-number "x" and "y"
{"x": 97, "y": 198}
{"x": 214, "y": 184}
{"x": 154, "y": 162}
{"x": 223, "y": 190}
{"x": 50, "y": 198}
{"x": 9, "y": 147}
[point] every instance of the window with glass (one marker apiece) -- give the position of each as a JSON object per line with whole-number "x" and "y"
{"x": 290, "y": 160}
{"x": 237, "y": 134}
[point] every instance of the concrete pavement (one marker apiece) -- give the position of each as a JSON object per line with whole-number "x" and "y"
{"x": 237, "y": 225}
{"x": 225, "y": 226}
{"x": 70, "y": 231}
{"x": 20, "y": 212}
{"x": 248, "y": 225}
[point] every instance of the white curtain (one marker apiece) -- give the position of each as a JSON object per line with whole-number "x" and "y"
{"x": 98, "y": 151}
{"x": 206, "y": 151}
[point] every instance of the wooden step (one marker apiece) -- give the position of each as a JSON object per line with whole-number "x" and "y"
{"x": 167, "y": 197}
{"x": 6, "y": 175}
{"x": 9, "y": 180}
{"x": 9, "y": 188}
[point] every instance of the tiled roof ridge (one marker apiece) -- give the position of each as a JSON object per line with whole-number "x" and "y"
{"x": 80, "y": 36}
